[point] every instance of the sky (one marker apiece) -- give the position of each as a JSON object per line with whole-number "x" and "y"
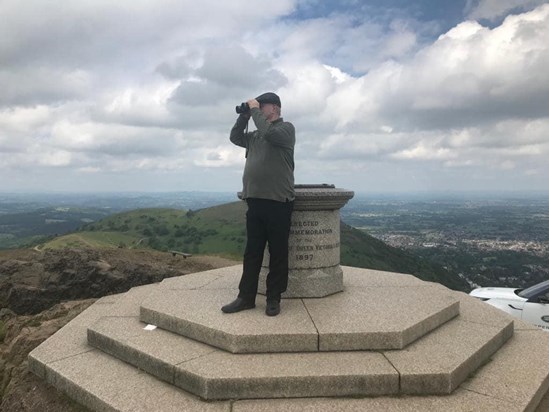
{"x": 385, "y": 95}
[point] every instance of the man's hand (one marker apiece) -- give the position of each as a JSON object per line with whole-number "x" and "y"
{"x": 253, "y": 103}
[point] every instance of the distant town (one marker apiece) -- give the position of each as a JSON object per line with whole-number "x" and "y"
{"x": 490, "y": 240}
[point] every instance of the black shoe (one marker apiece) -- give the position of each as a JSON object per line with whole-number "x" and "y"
{"x": 273, "y": 308}
{"x": 237, "y": 305}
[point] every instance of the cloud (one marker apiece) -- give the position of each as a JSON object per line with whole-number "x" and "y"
{"x": 234, "y": 66}
{"x": 226, "y": 72}
{"x": 470, "y": 76}
{"x": 354, "y": 43}
{"x": 107, "y": 92}
{"x": 117, "y": 43}
{"x": 494, "y": 9}
{"x": 42, "y": 85}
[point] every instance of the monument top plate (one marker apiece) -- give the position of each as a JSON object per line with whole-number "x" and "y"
{"x": 315, "y": 186}
{"x": 322, "y": 196}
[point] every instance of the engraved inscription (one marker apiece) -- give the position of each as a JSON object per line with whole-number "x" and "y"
{"x": 309, "y": 235}
{"x": 304, "y": 257}
{"x": 314, "y": 240}
{"x": 324, "y": 247}
{"x": 308, "y": 227}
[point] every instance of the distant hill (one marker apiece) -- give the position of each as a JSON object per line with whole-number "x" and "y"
{"x": 220, "y": 230}
{"x": 19, "y": 230}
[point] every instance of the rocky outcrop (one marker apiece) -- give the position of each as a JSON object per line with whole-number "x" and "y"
{"x": 40, "y": 292}
{"x": 20, "y": 390}
{"x": 34, "y": 281}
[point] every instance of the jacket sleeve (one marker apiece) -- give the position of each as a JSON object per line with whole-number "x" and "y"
{"x": 238, "y": 136}
{"x": 282, "y": 134}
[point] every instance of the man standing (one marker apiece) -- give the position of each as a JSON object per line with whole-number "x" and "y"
{"x": 269, "y": 192}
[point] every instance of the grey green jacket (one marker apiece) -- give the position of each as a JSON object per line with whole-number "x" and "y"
{"x": 269, "y": 170}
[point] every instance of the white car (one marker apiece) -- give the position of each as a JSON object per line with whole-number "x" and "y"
{"x": 530, "y": 305}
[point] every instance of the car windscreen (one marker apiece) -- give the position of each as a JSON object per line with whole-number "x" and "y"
{"x": 534, "y": 290}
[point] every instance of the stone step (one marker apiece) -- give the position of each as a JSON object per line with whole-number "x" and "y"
{"x": 387, "y": 312}
{"x": 216, "y": 374}
{"x": 515, "y": 379}
{"x": 431, "y": 365}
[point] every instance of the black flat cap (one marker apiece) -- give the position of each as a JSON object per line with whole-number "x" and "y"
{"x": 269, "y": 97}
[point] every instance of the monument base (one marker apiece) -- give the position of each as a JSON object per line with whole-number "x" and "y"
{"x": 308, "y": 283}
{"x": 313, "y": 243}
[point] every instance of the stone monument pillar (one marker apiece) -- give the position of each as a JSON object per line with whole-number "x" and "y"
{"x": 314, "y": 244}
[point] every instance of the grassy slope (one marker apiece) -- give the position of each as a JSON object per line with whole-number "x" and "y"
{"x": 92, "y": 239}
{"x": 217, "y": 230}
{"x": 220, "y": 230}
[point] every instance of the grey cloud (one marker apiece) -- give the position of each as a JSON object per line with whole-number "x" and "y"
{"x": 177, "y": 69}
{"x": 213, "y": 156}
{"x": 119, "y": 43}
{"x": 234, "y": 66}
{"x": 439, "y": 90}
{"x": 77, "y": 33}
{"x": 228, "y": 74}
{"x": 195, "y": 94}
{"x": 484, "y": 110}
{"x": 495, "y": 9}
{"x": 41, "y": 85}
{"x": 136, "y": 148}
{"x": 94, "y": 139}
{"x": 8, "y": 147}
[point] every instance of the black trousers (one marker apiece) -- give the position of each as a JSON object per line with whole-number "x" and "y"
{"x": 267, "y": 222}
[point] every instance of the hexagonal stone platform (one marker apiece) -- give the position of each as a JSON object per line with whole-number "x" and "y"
{"x": 367, "y": 315}
{"x": 430, "y": 365}
{"x": 516, "y": 378}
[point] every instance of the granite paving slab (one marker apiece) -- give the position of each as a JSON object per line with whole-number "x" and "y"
{"x": 476, "y": 311}
{"x": 197, "y": 314}
{"x": 459, "y": 401}
{"x": 379, "y": 317}
{"x": 442, "y": 360}
{"x": 367, "y": 278}
{"x": 128, "y": 303}
{"x": 103, "y": 383}
{"x": 221, "y": 375}
{"x": 229, "y": 275}
{"x": 519, "y": 371}
{"x": 544, "y": 404}
{"x": 155, "y": 351}
{"x": 70, "y": 340}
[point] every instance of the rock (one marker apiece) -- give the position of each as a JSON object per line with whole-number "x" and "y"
{"x": 21, "y": 390}
{"x": 6, "y": 313}
{"x": 24, "y": 299}
{"x": 32, "y": 285}
{"x": 33, "y": 282}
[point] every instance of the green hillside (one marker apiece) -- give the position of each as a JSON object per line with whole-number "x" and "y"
{"x": 220, "y": 230}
